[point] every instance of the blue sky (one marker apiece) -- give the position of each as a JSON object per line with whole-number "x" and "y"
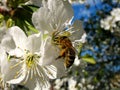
{"x": 82, "y": 12}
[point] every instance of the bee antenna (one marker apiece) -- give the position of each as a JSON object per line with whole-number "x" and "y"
{"x": 55, "y": 33}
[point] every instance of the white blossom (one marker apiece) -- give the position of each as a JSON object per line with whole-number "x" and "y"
{"x": 6, "y": 40}
{"x": 57, "y": 15}
{"x": 116, "y": 14}
{"x": 23, "y": 65}
{"x": 77, "y": 1}
{"x": 76, "y": 61}
{"x": 2, "y": 33}
{"x": 110, "y": 21}
{"x": 52, "y": 16}
{"x": 72, "y": 84}
{"x": 3, "y": 30}
{"x": 59, "y": 83}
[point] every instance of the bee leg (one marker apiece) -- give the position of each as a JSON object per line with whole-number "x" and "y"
{"x": 58, "y": 57}
{"x": 62, "y": 54}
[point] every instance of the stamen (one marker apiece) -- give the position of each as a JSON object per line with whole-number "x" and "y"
{"x": 30, "y": 68}
{"x": 42, "y": 75}
{"x": 18, "y": 74}
{"x": 47, "y": 70}
{"x": 32, "y": 72}
{"x": 16, "y": 64}
{"x": 38, "y": 73}
{"x": 27, "y": 76}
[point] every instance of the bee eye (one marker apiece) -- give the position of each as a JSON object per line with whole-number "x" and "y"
{"x": 63, "y": 37}
{"x": 56, "y": 38}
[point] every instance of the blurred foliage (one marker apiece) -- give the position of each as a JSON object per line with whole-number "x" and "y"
{"x": 15, "y": 3}
{"x": 102, "y": 45}
{"x": 19, "y": 14}
{"x": 89, "y": 59}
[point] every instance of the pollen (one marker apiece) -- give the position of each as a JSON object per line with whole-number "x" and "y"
{"x": 31, "y": 60}
{"x": 29, "y": 68}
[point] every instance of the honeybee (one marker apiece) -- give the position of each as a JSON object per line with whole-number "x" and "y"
{"x": 67, "y": 51}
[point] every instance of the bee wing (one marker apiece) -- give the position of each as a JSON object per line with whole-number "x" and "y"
{"x": 75, "y": 50}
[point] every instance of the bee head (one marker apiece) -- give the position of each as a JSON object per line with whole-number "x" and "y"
{"x": 55, "y": 37}
{"x": 59, "y": 35}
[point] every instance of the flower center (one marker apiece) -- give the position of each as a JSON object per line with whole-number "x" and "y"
{"x": 31, "y": 60}
{"x": 30, "y": 68}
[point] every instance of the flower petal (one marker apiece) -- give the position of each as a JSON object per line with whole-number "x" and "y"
{"x": 19, "y": 36}
{"x": 38, "y": 87}
{"x": 2, "y": 52}
{"x": 7, "y": 71}
{"x": 59, "y": 64}
{"x": 41, "y": 20}
{"x": 51, "y": 71}
{"x": 16, "y": 52}
{"x": 31, "y": 84}
{"x": 53, "y": 15}
{"x": 61, "y": 12}
{"x": 48, "y": 52}
{"x": 7, "y": 42}
{"x": 18, "y": 80}
{"x": 2, "y": 33}
{"x": 33, "y": 43}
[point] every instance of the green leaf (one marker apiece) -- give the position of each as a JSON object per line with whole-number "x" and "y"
{"x": 15, "y": 3}
{"x": 95, "y": 79}
{"x": 79, "y": 49}
{"x": 89, "y": 59}
{"x": 10, "y": 22}
{"x": 22, "y": 14}
{"x": 21, "y": 24}
{"x": 31, "y": 28}
{"x": 30, "y": 8}
{"x": 1, "y": 18}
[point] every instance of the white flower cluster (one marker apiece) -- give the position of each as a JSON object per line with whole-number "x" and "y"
{"x": 110, "y": 22}
{"x": 77, "y": 1}
{"x": 72, "y": 84}
{"x": 31, "y": 60}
